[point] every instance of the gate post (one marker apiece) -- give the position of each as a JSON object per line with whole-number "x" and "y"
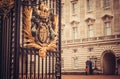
{"x": 17, "y": 39}
{"x": 58, "y": 57}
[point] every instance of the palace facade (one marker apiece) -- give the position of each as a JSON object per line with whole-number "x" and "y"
{"x": 90, "y": 31}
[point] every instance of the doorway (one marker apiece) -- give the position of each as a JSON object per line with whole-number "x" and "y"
{"x": 109, "y": 63}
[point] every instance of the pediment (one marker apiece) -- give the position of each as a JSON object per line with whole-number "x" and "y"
{"x": 107, "y": 16}
{"x": 89, "y": 19}
{"x": 74, "y": 22}
{"x": 74, "y": 0}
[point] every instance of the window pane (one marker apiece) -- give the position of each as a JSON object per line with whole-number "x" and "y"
{"x": 74, "y": 32}
{"x": 75, "y": 63}
{"x": 107, "y": 28}
{"x": 108, "y": 31}
{"x": 89, "y": 5}
{"x": 74, "y": 7}
{"x": 91, "y": 34}
{"x": 106, "y": 3}
{"x": 90, "y": 31}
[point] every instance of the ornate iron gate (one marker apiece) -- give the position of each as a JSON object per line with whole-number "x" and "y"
{"x": 30, "y": 39}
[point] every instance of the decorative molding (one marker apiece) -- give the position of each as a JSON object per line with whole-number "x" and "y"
{"x": 74, "y": 22}
{"x": 74, "y": 1}
{"x": 107, "y": 16}
{"x": 89, "y": 19}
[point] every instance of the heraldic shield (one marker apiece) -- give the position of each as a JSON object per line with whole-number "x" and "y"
{"x": 40, "y": 29}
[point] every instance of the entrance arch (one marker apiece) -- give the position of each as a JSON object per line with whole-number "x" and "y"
{"x": 109, "y": 64}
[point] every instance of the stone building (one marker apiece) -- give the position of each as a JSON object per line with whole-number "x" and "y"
{"x": 90, "y": 31}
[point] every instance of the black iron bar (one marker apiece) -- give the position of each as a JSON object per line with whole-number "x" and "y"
{"x": 52, "y": 65}
{"x": 42, "y": 68}
{"x": 5, "y": 53}
{"x": 46, "y": 67}
{"x": 49, "y": 64}
{"x": 26, "y": 64}
{"x": 38, "y": 66}
{"x": 9, "y": 37}
{"x": 30, "y": 64}
{"x": 34, "y": 64}
{"x": 2, "y": 59}
{"x": 22, "y": 65}
{"x": 17, "y": 39}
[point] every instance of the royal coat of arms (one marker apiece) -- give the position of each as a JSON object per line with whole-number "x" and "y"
{"x": 40, "y": 29}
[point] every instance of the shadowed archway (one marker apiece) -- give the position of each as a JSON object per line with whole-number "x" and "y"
{"x": 108, "y": 63}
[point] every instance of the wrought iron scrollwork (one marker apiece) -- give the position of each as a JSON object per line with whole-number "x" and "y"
{"x": 5, "y": 6}
{"x": 40, "y": 28}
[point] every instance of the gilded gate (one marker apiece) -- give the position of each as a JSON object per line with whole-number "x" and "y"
{"x": 30, "y": 31}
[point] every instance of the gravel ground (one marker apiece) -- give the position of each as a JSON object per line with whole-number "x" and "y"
{"x": 90, "y": 77}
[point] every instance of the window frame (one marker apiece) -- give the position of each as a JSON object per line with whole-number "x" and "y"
{"x": 89, "y": 5}
{"x": 75, "y": 62}
{"x": 74, "y": 32}
{"x": 90, "y": 30}
{"x": 62, "y": 63}
{"x": 106, "y": 4}
{"x": 107, "y": 27}
{"x": 74, "y": 7}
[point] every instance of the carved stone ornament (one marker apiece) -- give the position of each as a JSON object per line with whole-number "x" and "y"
{"x": 40, "y": 29}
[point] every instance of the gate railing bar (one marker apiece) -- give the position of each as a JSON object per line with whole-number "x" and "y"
{"x": 17, "y": 39}
{"x": 26, "y": 61}
{"x": 52, "y": 65}
{"x": 46, "y": 67}
{"x": 42, "y": 67}
{"x": 49, "y": 64}
{"x": 38, "y": 67}
{"x": 6, "y": 53}
{"x": 9, "y": 54}
{"x": 59, "y": 44}
{"x": 30, "y": 64}
{"x": 22, "y": 65}
{"x": 34, "y": 64}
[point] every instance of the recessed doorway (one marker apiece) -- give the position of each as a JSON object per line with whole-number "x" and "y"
{"x": 109, "y": 63}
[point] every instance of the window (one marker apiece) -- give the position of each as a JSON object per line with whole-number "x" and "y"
{"x": 89, "y": 5}
{"x": 75, "y": 62}
{"x": 74, "y": 32}
{"x": 90, "y": 31}
{"x": 106, "y": 3}
{"x": 74, "y": 6}
{"x": 107, "y": 28}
